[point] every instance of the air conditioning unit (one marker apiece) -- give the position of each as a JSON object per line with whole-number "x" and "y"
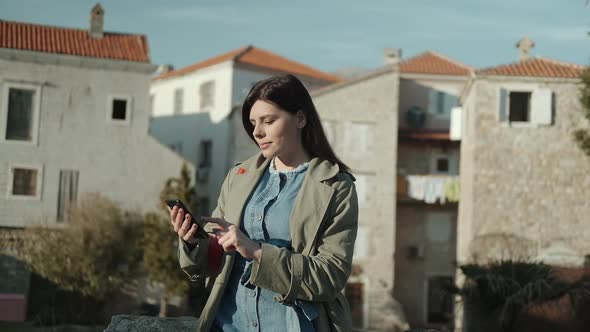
{"x": 416, "y": 251}
{"x": 202, "y": 174}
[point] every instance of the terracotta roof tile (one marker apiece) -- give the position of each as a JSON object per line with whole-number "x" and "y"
{"x": 432, "y": 63}
{"x": 257, "y": 57}
{"x": 67, "y": 41}
{"x": 536, "y": 67}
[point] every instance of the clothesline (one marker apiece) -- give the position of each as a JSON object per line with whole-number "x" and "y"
{"x": 433, "y": 188}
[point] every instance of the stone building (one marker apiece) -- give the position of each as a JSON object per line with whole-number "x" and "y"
{"x": 196, "y": 110}
{"x": 427, "y": 187}
{"x": 524, "y": 181}
{"x": 74, "y": 115}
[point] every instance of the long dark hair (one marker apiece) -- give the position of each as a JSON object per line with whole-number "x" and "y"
{"x": 289, "y": 94}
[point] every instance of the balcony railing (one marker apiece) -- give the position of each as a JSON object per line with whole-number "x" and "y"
{"x": 431, "y": 188}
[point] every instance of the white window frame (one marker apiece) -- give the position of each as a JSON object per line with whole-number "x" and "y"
{"x": 531, "y": 88}
{"x": 370, "y": 140}
{"x": 36, "y": 111}
{"x": 212, "y": 85}
{"x": 129, "y": 111}
{"x": 38, "y": 168}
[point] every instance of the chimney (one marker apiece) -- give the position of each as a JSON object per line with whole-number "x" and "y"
{"x": 392, "y": 56}
{"x": 96, "y": 21}
{"x": 163, "y": 69}
{"x": 525, "y": 46}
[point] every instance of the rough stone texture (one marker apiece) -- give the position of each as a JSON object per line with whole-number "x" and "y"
{"x": 128, "y": 323}
{"x": 527, "y": 187}
{"x": 75, "y": 132}
{"x": 371, "y": 101}
{"x": 530, "y": 182}
{"x": 434, "y": 228}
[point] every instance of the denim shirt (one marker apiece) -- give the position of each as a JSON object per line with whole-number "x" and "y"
{"x": 245, "y": 307}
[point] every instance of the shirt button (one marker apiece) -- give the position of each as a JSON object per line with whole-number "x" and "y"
{"x": 259, "y": 218}
{"x": 254, "y": 323}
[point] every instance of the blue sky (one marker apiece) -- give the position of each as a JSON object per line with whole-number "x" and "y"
{"x": 329, "y": 34}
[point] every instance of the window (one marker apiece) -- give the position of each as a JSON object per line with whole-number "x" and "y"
{"x": 528, "y": 105}
{"x": 361, "y": 188}
{"x": 20, "y": 114}
{"x": 361, "y": 137}
{"x": 354, "y": 292}
{"x": 205, "y": 153}
{"x": 20, "y": 104}
{"x": 68, "y": 192}
{"x": 329, "y": 130}
{"x": 440, "y": 299}
{"x": 25, "y": 182}
{"x": 440, "y": 163}
{"x": 520, "y": 107}
{"x": 151, "y": 105}
{"x": 440, "y": 103}
{"x": 178, "y": 100}
{"x": 119, "y": 109}
{"x": 207, "y": 95}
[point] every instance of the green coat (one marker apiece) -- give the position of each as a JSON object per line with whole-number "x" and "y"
{"x": 323, "y": 230}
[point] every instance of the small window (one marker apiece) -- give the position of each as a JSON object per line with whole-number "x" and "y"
{"x": 21, "y": 114}
{"x": 119, "y": 108}
{"x": 207, "y": 95}
{"x": 67, "y": 194}
{"x": 442, "y": 165}
{"x": 151, "y": 105}
{"x": 440, "y": 299}
{"x": 25, "y": 182}
{"x": 178, "y": 100}
{"x": 440, "y": 102}
{"x": 520, "y": 107}
{"x": 205, "y": 153}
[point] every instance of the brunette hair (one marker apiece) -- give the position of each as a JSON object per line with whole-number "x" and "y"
{"x": 288, "y": 93}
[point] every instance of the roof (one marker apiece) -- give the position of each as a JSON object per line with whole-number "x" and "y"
{"x": 257, "y": 57}
{"x": 536, "y": 67}
{"x": 432, "y": 63}
{"x": 68, "y": 41}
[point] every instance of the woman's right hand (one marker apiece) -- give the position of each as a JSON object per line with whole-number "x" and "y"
{"x": 182, "y": 225}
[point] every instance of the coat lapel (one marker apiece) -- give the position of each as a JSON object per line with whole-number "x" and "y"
{"x": 311, "y": 205}
{"x": 247, "y": 176}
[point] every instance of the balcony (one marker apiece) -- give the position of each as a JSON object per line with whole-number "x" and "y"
{"x": 430, "y": 188}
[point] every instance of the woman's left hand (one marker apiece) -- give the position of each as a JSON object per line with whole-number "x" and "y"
{"x": 231, "y": 238}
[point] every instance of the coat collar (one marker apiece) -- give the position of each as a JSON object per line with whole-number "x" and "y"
{"x": 320, "y": 170}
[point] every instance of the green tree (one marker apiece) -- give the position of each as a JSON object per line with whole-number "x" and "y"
{"x": 95, "y": 255}
{"x": 582, "y": 136}
{"x": 160, "y": 243}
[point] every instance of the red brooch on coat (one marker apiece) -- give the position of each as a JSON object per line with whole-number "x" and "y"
{"x": 241, "y": 170}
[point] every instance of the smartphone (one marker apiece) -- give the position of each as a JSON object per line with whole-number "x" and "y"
{"x": 201, "y": 233}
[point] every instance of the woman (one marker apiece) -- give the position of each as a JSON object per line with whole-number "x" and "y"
{"x": 289, "y": 219}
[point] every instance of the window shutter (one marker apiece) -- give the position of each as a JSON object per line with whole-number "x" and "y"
{"x": 503, "y": 116}
{"x": 541, "y": 107}
{"x": 456, "y": 123}
{"x": 432, "y": 101}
